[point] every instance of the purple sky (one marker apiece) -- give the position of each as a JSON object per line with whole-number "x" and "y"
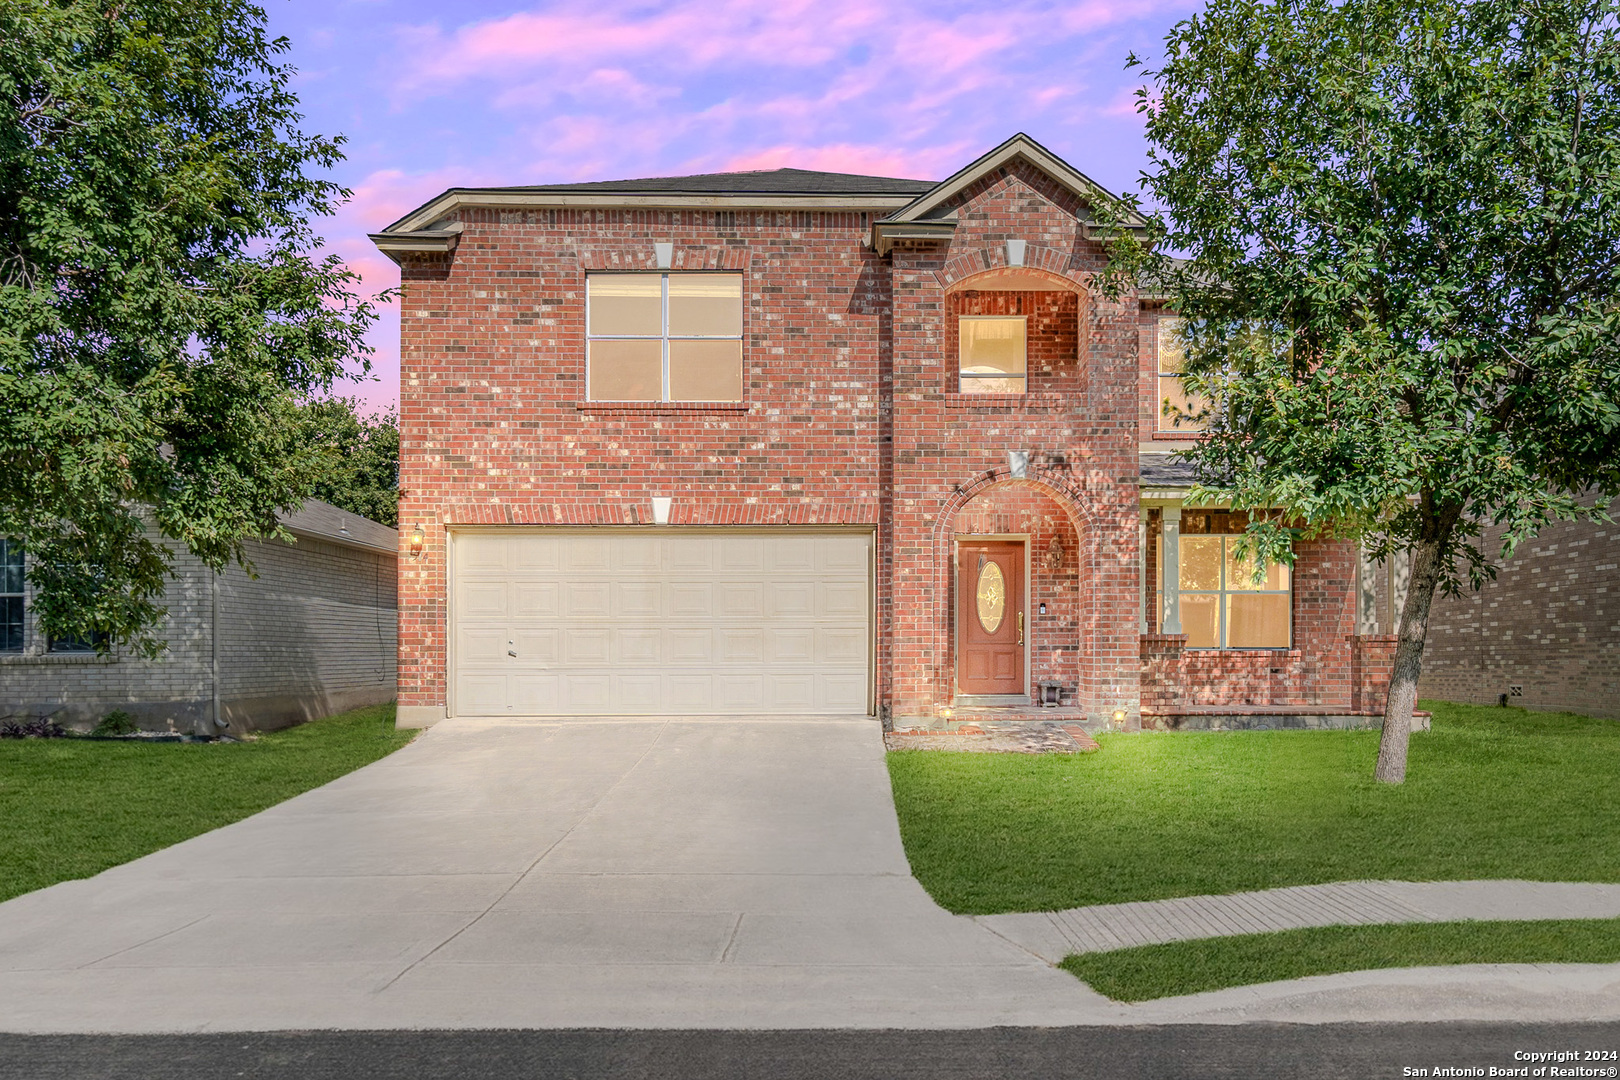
{"x": 498, "y": 93}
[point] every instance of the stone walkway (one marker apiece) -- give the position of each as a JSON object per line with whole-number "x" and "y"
{"x": 1053, "y": 935}
{"x": 995, "y": 737}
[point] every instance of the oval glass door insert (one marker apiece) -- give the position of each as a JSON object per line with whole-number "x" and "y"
{"x": 992, "y": 596}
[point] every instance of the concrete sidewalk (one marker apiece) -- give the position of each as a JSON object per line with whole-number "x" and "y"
{"x": 1053, "y": 935}
{"x": 509, "y": 874}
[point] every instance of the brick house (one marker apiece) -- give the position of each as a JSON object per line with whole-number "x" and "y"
{"x": 804, "y": 442}
{"x": 310, "y": 634}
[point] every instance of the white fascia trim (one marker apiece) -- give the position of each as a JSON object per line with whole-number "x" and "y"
{"x": 452, "y": 200}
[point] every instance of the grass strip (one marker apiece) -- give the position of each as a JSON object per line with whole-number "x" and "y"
{"x": 1490, "y": 793}
{"x": 1191, "y": 967}
{"x": 71, "y": 808}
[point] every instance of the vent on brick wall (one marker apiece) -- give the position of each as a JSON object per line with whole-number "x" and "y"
{"x": 1516, "y": 691}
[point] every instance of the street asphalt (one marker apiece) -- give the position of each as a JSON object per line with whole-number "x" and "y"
{"x": 1183, "y": 1052}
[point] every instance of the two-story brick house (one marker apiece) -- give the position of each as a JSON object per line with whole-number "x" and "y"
{"x": 797, "y": 442}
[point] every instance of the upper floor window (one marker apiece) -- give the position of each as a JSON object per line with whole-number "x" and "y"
{"x": 664, "y": 337}
{"x": 994, "y": 353}
{"x": 1175, "y": 409}
{"x": 11, "y": 596}
{"x": 1223, "y": 607}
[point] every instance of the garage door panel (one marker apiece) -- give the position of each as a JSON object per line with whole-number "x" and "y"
{"x": 639, "y": 645}
{"x": 791, "y": 599}
{"x": 792, "y": 555}
{"x": 636, "y": 555}
{"x": 744, "y": 646}
{"x": 535, "y": 600}
{"x": 484, "y": 600}
{"x": 537, "y": 647}
{"x": 607, "y": 623}
{"x": 742, "y": 600}
{"x": 482, "y": 693}
{"x": 637, "y": 599}
{"x": 535, "y": 694}
{"x": 690, "y": 693}
{"x": 841, "y": 600}
{"x": 585, "y": 554}
{"x": 535, "y": 551}
{"x": 688, "y": 600}
{"x": 841, "y": 646}
{"x": 689, "y": 645}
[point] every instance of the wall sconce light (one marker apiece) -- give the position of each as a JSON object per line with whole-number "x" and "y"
{"x": 415, "y": 542}
{"x": 660, "y": 508}
{"x": 1119, "y": 718}
{"x": 1018, "y": 463}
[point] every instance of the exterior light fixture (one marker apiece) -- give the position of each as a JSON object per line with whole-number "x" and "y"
{"x": 660, "y": 509}
{"x": 1119, "y": 717}
{"x": 416, "y": 541}
{"x": 1018, "y": 463}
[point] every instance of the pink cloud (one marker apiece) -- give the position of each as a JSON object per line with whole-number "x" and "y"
{"x": 845, "y": 158}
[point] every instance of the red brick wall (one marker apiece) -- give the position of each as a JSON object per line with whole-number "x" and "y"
{"x": 493, "y": 381}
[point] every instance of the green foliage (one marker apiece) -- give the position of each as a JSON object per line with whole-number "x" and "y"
{"x": 117, "y": 722}
{"x": 1403, "y": 290}
{"x": 1192, "y": 967}
{"x": 70, "y": 808}
{"x": 162, "y": 309}
{"x": 1496, "y": 793}
{"x": 361, "y": 457}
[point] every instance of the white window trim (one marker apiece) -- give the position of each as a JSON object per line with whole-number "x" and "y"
{"x": 1223, "y": 592}
{"x": 664, "y": 338}
{"x": 960, "y": 374}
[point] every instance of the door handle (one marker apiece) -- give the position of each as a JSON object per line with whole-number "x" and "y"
{"x": 1020, "y": 628}
{"x": 510, "y": 652}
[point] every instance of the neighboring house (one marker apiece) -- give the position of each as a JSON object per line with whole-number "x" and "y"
{"x": 1545, "y": 633}
{"x": 807, "y": 442}
{"x": 312, "y": 634}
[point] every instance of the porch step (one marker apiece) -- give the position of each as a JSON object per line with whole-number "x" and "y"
{"x": 996, "y": 737}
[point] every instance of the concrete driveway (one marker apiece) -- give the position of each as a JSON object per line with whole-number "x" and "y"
{"x": 501, "y": 873}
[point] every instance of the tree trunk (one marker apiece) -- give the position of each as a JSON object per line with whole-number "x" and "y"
{"x": 1414, "y": 630}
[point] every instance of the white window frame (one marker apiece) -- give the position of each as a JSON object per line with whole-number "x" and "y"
{"x": 663, "y": 338}
{"x": 1223, "y": 592}
{"x": 960, "y": 374}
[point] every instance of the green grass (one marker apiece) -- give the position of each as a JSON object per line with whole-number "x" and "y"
{"x": 1490, "y": 793}
{"x": 70, "y": 808}
{"x": 1191, "y": 967}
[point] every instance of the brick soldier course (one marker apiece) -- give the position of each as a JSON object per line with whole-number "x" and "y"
{"x": 853, "y": 291}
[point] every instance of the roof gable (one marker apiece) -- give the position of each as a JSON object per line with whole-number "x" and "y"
{"x": 1018, "y": 148}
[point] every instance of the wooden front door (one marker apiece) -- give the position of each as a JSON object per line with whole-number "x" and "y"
{"x": 990, "y": 603}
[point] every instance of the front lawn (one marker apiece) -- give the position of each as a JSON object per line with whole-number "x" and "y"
{"x": 1491, "y": 793}
{"x": 70, "y": 808}
{"x": 1192, "y": 967}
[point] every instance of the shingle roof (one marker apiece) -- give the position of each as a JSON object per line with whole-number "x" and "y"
{"x": 772, "y": 182}
{"x": 1162, "y": 470}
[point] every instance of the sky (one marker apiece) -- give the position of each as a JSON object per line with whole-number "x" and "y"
{"x": 482, "y": 92}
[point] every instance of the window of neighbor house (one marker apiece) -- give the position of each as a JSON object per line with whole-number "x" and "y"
{"x": 993, "y": 353}
{"x": 11, "y": 596}
{"x": 1174, "y": 406}
{"x": 664, "y": 337}
{"x": 1223, "y": 607}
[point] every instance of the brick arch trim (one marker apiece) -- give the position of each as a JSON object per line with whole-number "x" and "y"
{"x": 1042, "y": 260}
{"x": 1059, "y": 486}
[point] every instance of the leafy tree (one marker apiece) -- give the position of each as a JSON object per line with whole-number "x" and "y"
{"x": 162, "y": 310}
{"x": 1403, "y": 292}
{"x": 361, "y": 455}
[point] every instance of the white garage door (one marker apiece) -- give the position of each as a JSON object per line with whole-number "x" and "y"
{"x": 581, "y": 622}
